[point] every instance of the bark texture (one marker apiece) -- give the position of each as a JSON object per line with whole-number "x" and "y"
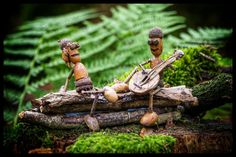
{"x": 73, "y": 102}
{"x": 104, "y": 119}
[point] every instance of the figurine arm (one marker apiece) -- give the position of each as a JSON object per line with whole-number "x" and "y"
{"x": 131, "y": 74}
{"x": 67, "y": 80}
{"x": 135, "y": 70}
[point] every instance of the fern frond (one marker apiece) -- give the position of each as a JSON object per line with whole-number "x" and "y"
{"x": 21, "y": 41}
{"x": 28, "y": 33}
{"x": 25, "y": 64}
{"x": 60, "y": 32}
{"x": 201, "y": 36}
{"x": 47, "y": 55}
{"x": 24, "y": 52}
{"x": 51, "y": 78}
{"x": 60, "y": 21}
{"x": 16, "y": 79}
{"x": 98, "y": 48}
{"x": 12, "y": 94}
{"x": 38, "y": 35}
{"x": 107, "y": 63}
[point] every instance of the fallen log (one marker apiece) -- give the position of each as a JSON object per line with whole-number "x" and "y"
{"x": 202, "y": 97}
{"x": 212, "y": 94}
{"x": 73, "y": 102}
{"x": 104, "y": 119}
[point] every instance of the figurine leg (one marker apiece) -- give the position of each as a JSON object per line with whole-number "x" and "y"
{"x": 90, "y": 120}
{"x": 150, "y": 108}
{"x": 64, "y": 89}
{"x": 93, "y": 105}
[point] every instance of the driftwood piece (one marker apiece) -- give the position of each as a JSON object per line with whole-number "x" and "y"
{"x": 73, "y": 102}
{"x": 104, "y": 119}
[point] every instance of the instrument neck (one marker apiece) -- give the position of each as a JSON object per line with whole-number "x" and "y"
{"x": 158, "y": 68}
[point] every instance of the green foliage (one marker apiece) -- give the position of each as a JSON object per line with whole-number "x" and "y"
{"x": 219, "y": 113}
{"x": 27, "y": 51}
{"x": 201, "y": 36}
{"x": 190, "y": 68}
{"x": 25, "y": 137}
{"x": 102, "y": 142}
{"x": 204, "y": 90}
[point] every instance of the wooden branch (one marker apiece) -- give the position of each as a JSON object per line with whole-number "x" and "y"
{"x": 104, "y": 119}
{"x": 73, "y": 102}
{"x": 213, "y": 93}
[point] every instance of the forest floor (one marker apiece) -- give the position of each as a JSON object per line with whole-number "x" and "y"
{"x": 193, "y": 136}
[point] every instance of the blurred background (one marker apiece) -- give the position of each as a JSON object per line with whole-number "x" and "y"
{"x": 219, "y": 15}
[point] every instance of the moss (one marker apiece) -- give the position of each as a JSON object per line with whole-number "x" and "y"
{"x": 219, "y": 113}
{"x": 190, "y": 69}
{"x": 24, "y": 137}
{"x": 102, "y": 142}
{"x": 212, "y": 90}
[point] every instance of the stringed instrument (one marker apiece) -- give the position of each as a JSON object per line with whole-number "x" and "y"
{"x": 147, "y": 79}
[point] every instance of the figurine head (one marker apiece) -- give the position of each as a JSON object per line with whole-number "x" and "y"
{"x": 70, "y": 53}
{"x": 155, "y": 41}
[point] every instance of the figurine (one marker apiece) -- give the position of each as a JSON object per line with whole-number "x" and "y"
{"x": 83, "y": 83}
{"x": 71, "y": 56}
{"x": 149, "y": 80}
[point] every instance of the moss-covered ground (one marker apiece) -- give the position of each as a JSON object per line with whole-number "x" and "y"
{"x": 102, "y": 142}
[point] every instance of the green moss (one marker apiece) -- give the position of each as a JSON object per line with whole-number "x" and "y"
{"x": 102, "y": 142}
{"x": 219, "y": 113}
{"x": 225, "y": 62}
{"x": 212, "y": 90}
{"x": 190, "y": 69}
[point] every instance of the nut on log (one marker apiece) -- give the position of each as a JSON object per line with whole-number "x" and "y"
{"x": 120, "y": 87}
{"x": 110, "y": 94}
{"x": 149, "y": 119}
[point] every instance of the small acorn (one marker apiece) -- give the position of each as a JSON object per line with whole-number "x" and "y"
{"x": 120, "y": 87}
{"x": 92, "y": 123}
{"x": 149, "y": 119}
{"x": 110, "y": 94}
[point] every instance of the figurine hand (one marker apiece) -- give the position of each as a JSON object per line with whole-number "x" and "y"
{"x": 62, "y": 90}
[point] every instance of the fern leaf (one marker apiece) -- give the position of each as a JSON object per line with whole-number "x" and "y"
{"x": 98, "y": 48}
{"x": 25, "y": 64}
{"x": 59, "y": 21}
{"x": 12, "y": 94}
{"x": 201, "y": 36}
{"x": 21, "y": 41}
{"x": 39, "y": 35}
{"x": 24, "y": 52}
{"x": 16, "y": 79}
{"x": 28, "y": 33}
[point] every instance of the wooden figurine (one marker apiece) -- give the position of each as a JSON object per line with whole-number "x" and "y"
{"x": 71, "y": 56}
{"x": 149, "y": 80}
